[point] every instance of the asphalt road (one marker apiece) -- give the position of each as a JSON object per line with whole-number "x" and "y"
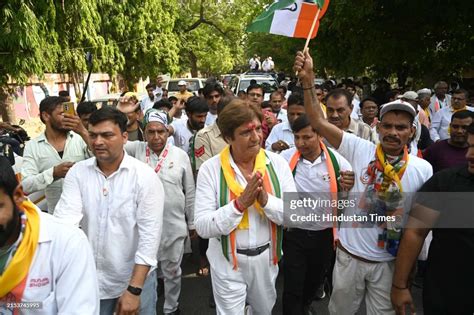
{"x": 196, "y": 291}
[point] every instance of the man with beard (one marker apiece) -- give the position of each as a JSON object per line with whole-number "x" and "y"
{"x": 118, "y": 202}
{"x": 281, "y": 137}
{"x": 451, "y": 152}
{"x": 45, "y": 265}
{"x": 213, "y": 93}
{"x": 184, "y": 131}
{"x": 444, "y": 207}
{"x": 48, "y": 157}
{"x": 384, "y": 174}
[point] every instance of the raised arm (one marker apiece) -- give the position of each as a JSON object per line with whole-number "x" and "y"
{"x": 304, "y": 66}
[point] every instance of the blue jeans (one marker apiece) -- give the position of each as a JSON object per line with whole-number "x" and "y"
{"x": 148, "y": 298}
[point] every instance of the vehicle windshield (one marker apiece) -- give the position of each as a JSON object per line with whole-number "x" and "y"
{"x": 193, "y": 85}
{"x": 268, "y": 85}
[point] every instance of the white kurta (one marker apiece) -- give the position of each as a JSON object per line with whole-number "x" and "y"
{"x": 178, "y": 182}
{"x": 232, "y": 288}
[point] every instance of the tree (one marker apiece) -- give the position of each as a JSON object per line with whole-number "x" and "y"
{"x": 212, "y": 34}
{"x": 141, "y": 34}
{"x": 403, "y": 38}
{"x": 25, "y": 46}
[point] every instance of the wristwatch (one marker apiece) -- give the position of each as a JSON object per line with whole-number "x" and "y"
{"x": 134, "y": 290}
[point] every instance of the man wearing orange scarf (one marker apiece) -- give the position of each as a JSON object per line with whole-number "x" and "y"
{"x": 45, "y": 267}
{"x": 384, "y": 174}
{"x": 239, "y": 207}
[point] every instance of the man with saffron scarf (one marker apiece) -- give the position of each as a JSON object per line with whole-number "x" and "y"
{"x": 42, "y": 262}
{"x": 384, "y": 174}
{"x": 308, "y": 246}
{"x": 239, "y": 207}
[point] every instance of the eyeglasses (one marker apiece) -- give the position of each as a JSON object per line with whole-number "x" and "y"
{"x": 255, "y": 95}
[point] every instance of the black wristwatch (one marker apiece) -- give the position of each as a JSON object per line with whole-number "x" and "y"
{"x": 134, "y": 290}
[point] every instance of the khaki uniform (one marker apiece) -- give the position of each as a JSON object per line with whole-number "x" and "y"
{"x": 183, "y": 96}
{"x": 208, "y": 143}
{"x": 362, "y": 130}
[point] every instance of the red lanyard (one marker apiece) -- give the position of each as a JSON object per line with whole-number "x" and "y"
{"x": 161, "y": 159}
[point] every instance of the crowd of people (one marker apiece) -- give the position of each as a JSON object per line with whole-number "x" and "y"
{"x": 127, "y": 186}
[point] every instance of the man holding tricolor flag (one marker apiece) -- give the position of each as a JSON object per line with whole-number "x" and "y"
{"x": 45, "y": 267}
{"x": 385, "y": 175}
{"x": 291, "y": 18}
{"x": 239, "y": 207}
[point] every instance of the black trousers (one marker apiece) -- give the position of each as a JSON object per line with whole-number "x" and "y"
{"x": 307, "y": 255}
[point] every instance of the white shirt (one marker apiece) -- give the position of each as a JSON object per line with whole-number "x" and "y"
{"x": 282, "y": 115}
{"x": 158, "y": 93}
{"x": 213, "y": 221}
{"x": 313, "y": 177}
{"x": 121, "y": 215}
{"x": 210, "y": 118}
{"x": 442, "y": 104}
{"x": 62, "y": 275}
{"x": 356, "y": 109}
{"x": 177, "y": 178}
{"x": 182, "y": 135}
{"x": 39, "y": 160}
{"x": 282, "y": 132}
{"x": 440, "y": 123}
{"x": 359, "y": 152}
{"x": 147, "y": 103}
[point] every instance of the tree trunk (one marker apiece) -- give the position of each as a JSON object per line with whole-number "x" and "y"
{"x": 7, "y": 110}
{"x": 75, "y": 78}
{"x": 193, "y": 62}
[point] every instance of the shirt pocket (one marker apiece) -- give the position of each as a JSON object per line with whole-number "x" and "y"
{"x": 123, "y": 206}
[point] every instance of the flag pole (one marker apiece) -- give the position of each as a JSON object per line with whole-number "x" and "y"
{"x": 310, "y": 32}
{"x": 312, "y": 29}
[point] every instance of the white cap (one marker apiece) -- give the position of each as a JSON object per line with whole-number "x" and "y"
{"x": 397, "y": 105}
{"x": 410, "y": 95}
{"x": 182, "y": 82}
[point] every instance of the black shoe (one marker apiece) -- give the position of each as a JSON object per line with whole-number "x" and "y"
{"x": 212, "y": 303}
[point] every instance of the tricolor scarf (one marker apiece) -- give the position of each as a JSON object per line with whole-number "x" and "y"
{"x": 13, "y": 279}
{"x": 333, "y": 170}
{"x": 383, "y": 195}
{"x": 231, "y": 189}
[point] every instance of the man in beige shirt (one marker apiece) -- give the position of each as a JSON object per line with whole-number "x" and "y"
{"x": 339, "y": 107}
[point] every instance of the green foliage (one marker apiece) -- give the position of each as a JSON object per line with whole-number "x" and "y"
{"x": 420, "y": 38}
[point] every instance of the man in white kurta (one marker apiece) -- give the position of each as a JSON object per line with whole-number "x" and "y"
{"x": 173, "y": 167}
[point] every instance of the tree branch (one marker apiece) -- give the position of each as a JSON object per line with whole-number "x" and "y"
{"x": 202, "y": 20}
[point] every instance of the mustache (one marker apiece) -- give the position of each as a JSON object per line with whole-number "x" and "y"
{"x": 390, "y": 138}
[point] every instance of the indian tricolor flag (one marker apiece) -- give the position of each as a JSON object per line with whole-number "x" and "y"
{"x": 290, "y": 18}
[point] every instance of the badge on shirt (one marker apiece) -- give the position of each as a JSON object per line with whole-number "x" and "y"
{"x": 199, "y": 151}
{"x": 326, "y": 177}
{"x": 364, "y": 176}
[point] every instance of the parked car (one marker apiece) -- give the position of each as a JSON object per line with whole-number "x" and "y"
{"x": 194, "y": 84}
{"x": 242, "y": 82}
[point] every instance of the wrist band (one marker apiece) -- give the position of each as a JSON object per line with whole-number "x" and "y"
{"x": 399, "y": 288}
{"x": 238, "y": 206}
